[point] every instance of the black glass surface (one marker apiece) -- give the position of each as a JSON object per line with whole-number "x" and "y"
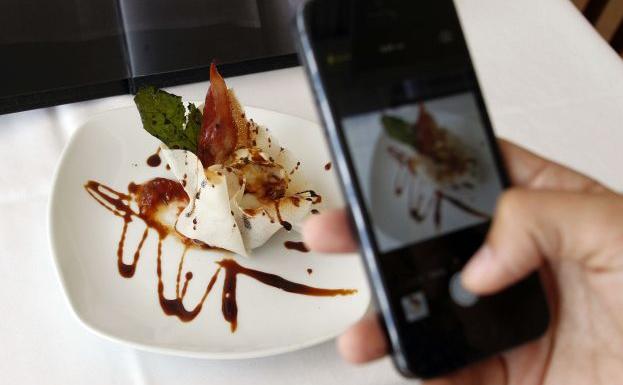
{"x": 58, "y": 51}
{"x": 378, "y": 56}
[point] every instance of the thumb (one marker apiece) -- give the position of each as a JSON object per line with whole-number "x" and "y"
{"x": 531, "y": 226}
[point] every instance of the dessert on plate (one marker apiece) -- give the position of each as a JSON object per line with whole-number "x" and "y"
{"x": 242, "y": 185}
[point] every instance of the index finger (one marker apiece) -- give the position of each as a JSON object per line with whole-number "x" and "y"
{"x": 329, "y": 232}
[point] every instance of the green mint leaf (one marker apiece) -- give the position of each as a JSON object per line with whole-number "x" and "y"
{"x": 164, "y": 116}
{"x": 193, "y": 125}
{"x": 398, "y": 129}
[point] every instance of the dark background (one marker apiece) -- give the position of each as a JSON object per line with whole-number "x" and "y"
{"x": 59, "y": 51}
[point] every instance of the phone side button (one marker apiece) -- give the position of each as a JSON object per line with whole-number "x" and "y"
{"x": 459, "y": 294}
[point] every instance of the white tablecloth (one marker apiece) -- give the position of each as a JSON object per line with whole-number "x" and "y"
{"x": 551, "y": 84}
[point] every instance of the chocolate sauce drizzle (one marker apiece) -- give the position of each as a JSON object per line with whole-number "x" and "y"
{"x": 285, "y": 224}
{"x": 150, "y": 197}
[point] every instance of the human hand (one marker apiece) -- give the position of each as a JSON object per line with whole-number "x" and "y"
{"x": 556, "y": 219}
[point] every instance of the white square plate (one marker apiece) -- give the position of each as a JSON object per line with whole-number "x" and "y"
{"x": 112, "y": 148}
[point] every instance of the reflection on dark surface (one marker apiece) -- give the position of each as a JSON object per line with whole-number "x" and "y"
{"x": 168, "y": 35}
{"x": 67, "y": 50}
{"x": 58, "y": 43}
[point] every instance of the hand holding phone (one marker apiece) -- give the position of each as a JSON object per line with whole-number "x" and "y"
{"x": 565, "y": 208}
{"x": 421, "y": 172}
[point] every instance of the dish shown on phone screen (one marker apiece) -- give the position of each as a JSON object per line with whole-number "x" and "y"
{"x": 427, "y": 171}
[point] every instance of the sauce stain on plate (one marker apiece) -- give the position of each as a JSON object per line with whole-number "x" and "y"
{"x": 154, "y": 159}
{"x": 298, "y": 246}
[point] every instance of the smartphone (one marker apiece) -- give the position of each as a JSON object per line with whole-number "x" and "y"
{"x": 419, "y": 165}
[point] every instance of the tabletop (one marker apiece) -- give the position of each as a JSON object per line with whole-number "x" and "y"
{"x": 551, "y": 84}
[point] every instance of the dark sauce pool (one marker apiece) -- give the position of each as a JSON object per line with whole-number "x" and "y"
{"x": 154, "y": 159}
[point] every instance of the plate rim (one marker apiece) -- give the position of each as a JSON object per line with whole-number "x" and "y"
{"x": 55, "y": 252}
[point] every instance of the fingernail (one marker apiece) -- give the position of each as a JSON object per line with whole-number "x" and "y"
{"x": 478, "y": 268}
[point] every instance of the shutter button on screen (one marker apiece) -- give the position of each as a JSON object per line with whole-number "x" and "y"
{"x": 459, "y": 294}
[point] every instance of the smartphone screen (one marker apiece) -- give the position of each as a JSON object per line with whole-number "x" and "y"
{"x": 416, "y": 151}
{"x": 425, "y": 168}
